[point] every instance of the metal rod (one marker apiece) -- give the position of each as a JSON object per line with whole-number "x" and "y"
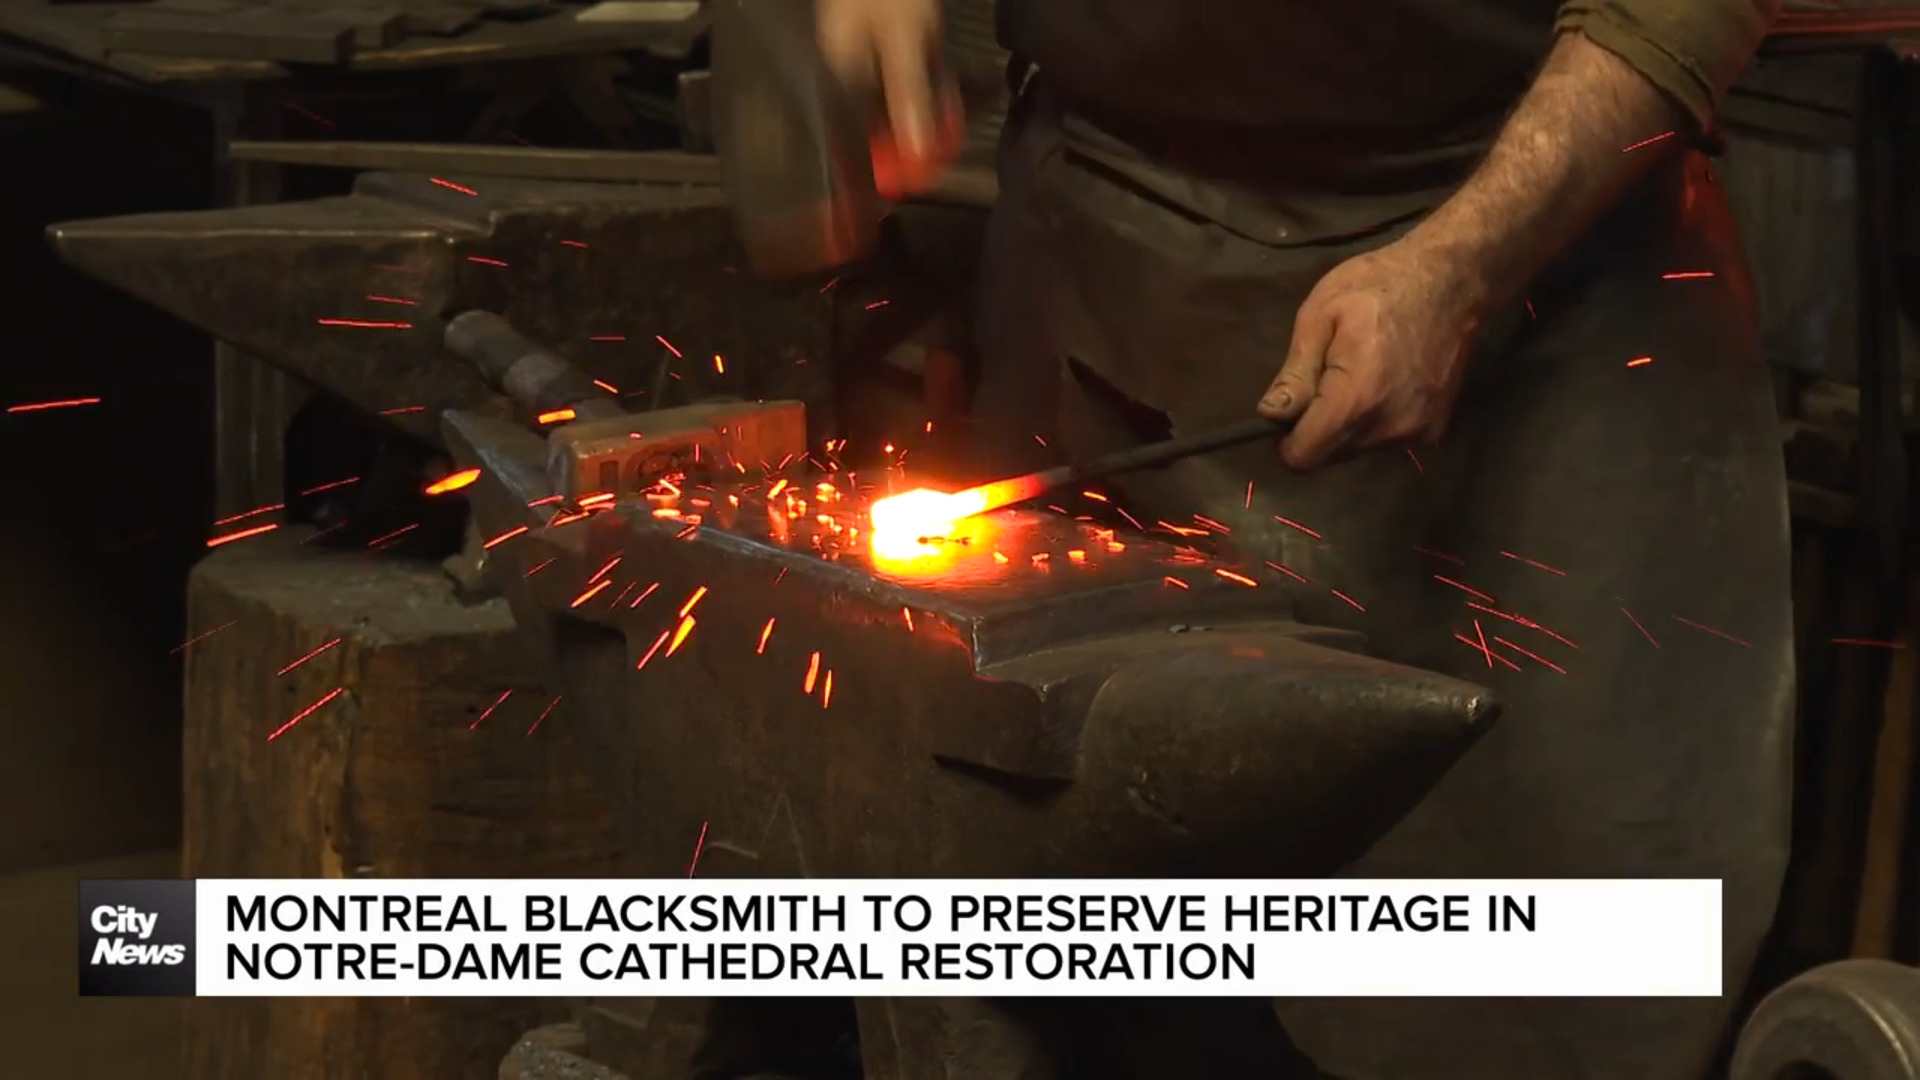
{"x": 1146, "y": 457}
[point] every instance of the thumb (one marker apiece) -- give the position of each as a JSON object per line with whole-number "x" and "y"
{"x": 1293, "y": 388}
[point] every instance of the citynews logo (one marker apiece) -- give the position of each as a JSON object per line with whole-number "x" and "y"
{"x": 136, "y": 938}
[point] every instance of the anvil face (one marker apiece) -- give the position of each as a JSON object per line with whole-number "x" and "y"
{"x": 1035, "y": 697}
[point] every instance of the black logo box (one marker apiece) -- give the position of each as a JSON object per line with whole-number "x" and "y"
{"x": 116, "y": 905}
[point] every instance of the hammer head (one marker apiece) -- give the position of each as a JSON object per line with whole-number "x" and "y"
{"x": 793, "y": 141}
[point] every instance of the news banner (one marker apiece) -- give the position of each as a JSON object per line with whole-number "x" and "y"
{"x": 900, "y": 938}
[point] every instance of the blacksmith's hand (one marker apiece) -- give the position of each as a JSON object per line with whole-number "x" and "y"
{"x": 893, "y": 46}
{"x": 1378, "y": 350}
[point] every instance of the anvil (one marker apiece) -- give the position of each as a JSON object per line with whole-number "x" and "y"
{"x": 766, "y": 693}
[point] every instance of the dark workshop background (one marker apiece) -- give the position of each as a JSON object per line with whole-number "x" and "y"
{"x": 111, "y": 503}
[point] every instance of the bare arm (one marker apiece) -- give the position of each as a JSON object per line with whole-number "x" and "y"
{"x": 1588, "y": 128}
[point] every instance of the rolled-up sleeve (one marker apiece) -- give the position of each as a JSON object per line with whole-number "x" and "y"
{"x": 1692, "y": 49}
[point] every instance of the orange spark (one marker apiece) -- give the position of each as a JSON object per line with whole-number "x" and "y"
{"x": 1077, "y": 556}
{"x": 680, "y": 633}
{"x": 255, "y": 512}
{"x": 1687, "y": 275}
{"x": 907, "y": 613}
{"x": 554, "y": 417}
{"x": 826, "y": 692}
{"x": 1555, "y": 571}
{"x": 687, "y": 608}
{"x": 542, "y": 718}
{"x": 719, "y": 365}
{"x": 503, "y": 537}
{"x": 643, "y": 596}
{"x": 1297, "y": 525}
{"x": 1705, "y": 629}
{"x": 1643, "y": 143}
{"x": 765, "y": 633}
{"x": 1174, "y": 582}
{"x": 602, "y": 572}
{"x": 596, "y": 590}
{"x": 1484, "y": 651}
{"x": 1240, "y": 579}
{"x": 308, "y": 657}
{"x": 241, "y": 535}
{"x": 454, "y": 482}
{"x": 1096, "y": 496}
{"x": 41, "y": 406}
{"x": 1350, "y": 601}
{"x": 1640, "y": 361}
{"x": 668, "y": 345}
{"x": 607, "y": 386}
{"x": 813, "y": 672}
{"x": 366, "y": 324}
{"x": 1482, "y": 635}
{"x": 1638, "y": 625}
{"x": 777, "y": 488}
{"x": 451, "y": 186}
{"x": 1001, "y": 559}
{"x": 504, "y": 694}
{"x": 1535, "y": 657}
{"x": 306, "y": 712}
{"x": 657, "y": 642}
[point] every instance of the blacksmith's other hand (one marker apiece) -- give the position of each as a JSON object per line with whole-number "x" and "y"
{"x": 1378, "y": 351}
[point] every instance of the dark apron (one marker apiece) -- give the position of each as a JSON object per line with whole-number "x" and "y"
{"x": 1633, "y": 514}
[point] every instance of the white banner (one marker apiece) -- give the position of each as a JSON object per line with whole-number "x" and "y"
{"x": 911, "y": 938}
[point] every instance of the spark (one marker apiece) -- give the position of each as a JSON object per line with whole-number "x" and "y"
{"x": 1644, "y": 143}
{"x": 484, "y": 261}
{"x": 1096, "y": 496}
{"x": 306, "y": 712}
{"x": 698, "y": 845}
{"x": 719, "y": 365}
{"x": 602, "y": 572}
{"x": 1175, "y": 583}
{"x": 1351, "y": 602}
{"x": 777, "y": 488}
{"x": 1520, "y": 620}
{"x": 596, "y": 590}
{"x": 1529, "y": 654}
{"x": 1479, "y": 644}
{"x": 394, "y": 535}
{"x": 554, "y": 417}
{"x": 539, "y": 567}
{"x": 765, "y": 633}
{"x": 451, "y": 186}
{"x": 654, "y": 648}
{"x": 1248, "y": 505}
{"x": 1704, "y": 628}
{"x": 604, "y": 339}
{"x": 608, "y": 387}
{"x": 455, "y": 482}
{"x": 813, "y": 673}
{"x": 403, "y": 409}
{"x": 542, "y": 718}
{"x": 877, "y": 304}
{"x": 1076, "y": 556}
{"x": 308, "y": 657}
{"x": 1869, "y": 643}
{"x": 622, "y": 594}
{"x": 1468, "y": 589}
{"x": 1638, "y": 625}
{"x": 366, "y": 324}
{"x": 503, "y": 537}
{"x": 826, "y": 692}
{"x": 42, "y": 406}
{"x": 330, "y": 485}
{"x": 1555, "y": 571}
{"x": 1240, "y": 579}
{"x": 1040, "y": 440}
{"x": 1211, "y": 524}
{"x": 680, "y": 633}
{"x": 255, "y": 512}
{"x": 581, "y": 244}
{"x": 1415, "y": 458}
{"x": 1289, "y": 571}
{"x": 198, "y": 638}
{"x": 1000, "y": 558}
{"x": 378, "y": 299}
{"x": 1134, "y": 521}
{"x": 1298, "y": 526}
{"x": 229, "y": 538}
{"x": 1640, "y": 361}
{"x": 1442, "y": 556}
{"x": 1687, "y": 275}
{"x": 905, "y": 613}
{"x": 1483, "y": 650}
{"x": 488, "y": 711}
{"x": 650, "y": 591}
{"x": 668, "y": 345}
{"x": 698, "y": 594}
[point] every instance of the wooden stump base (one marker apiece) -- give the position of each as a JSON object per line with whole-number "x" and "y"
{"x": 424, "y": 760}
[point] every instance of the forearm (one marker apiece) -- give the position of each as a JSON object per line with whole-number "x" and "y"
{"x": 1577, "y": 142}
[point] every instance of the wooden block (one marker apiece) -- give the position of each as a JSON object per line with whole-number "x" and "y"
{"x": 249, "y": 34}
{"x": 396, "y": 776}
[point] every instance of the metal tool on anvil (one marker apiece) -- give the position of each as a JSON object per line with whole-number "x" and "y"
{"x": 595, "y": 446}
{"x": 1036, "y": 703}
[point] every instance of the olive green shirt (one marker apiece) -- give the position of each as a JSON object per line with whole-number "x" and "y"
{"x": 1293, "y": 120}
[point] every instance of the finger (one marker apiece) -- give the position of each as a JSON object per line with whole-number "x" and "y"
{"x": 846, "y": 43}
{"x": 1331, "y": 423}
{"x": 906, "y": 81}
{"x": 1293, "y": 389}
{"x": 897, "y": 175}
